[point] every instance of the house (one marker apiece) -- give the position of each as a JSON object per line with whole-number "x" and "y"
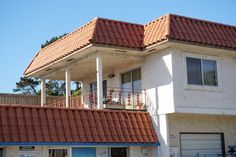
{"x": 176, "y": 71}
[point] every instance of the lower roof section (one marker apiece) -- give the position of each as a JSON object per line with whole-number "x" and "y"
{"x": 30, "y": 125}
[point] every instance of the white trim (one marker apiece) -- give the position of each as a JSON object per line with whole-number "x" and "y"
{"x": 217, "y": 88}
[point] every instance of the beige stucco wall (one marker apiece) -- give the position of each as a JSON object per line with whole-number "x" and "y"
{"x": 197, "y": 123}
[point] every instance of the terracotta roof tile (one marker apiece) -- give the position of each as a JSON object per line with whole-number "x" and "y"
{"x": 45, "y": 124}
{"x": 124, "y": 34}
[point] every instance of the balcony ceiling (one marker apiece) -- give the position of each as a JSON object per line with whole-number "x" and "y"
{"x": 83, "y": 66}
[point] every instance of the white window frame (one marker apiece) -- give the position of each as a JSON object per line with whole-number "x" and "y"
{"x": 218, "y": 87}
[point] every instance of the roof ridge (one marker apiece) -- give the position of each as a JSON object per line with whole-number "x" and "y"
{"x": 119, "y": 21}
{"x": 156, "y": 19}
{"x": 202, "y": 20}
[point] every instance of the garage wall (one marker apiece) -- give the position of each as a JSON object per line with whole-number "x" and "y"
{"x": 200, "y": 123}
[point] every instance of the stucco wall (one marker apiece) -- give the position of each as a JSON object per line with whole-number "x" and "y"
{"x": 157, "y": 79}
{"x": 197, "y": 123}
{"x": 199, "y": 99}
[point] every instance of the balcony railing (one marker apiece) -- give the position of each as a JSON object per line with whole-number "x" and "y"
{"x": 114, "y": 98}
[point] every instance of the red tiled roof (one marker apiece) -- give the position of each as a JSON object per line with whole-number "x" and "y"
{"x": 44, "y": 124}
{"x": 117, "y": 33}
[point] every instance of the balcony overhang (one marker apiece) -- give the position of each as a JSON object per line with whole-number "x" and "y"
{"x": 83, "y": 63}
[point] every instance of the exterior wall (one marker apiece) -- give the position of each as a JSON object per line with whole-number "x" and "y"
{"x": 42, "y": 151}
{"x": 202, "y": 99}
{"x": 196, "y": 123}
{"x": 13, "y": 151}
{"x": 157, "y": 79}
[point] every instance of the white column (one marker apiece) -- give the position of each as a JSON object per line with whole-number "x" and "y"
{"x": 68, "y": 88}
{"x": 43, "y": 92}
{"x": 99, "y": 81}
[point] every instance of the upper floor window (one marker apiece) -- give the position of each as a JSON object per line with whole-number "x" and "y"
{"x": 131, "y": 81}
{"x": 201, "y": 71}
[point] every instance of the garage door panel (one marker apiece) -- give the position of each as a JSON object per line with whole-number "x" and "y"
{"x": 200, "y": 136}
{"x": 202, "y": 144}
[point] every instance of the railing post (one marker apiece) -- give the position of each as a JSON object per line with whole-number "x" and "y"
{"x": 68, "y": 88}
{"x": 99, "y": 81}
{"x": 43, "y": 92}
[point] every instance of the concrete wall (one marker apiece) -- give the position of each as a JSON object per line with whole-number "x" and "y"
{"x": 203, "y": 99}
{"x": 196, "y": 123}
{"x": 42, "y": 151}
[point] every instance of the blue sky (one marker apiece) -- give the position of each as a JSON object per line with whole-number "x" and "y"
{"x": 26, "y": 24}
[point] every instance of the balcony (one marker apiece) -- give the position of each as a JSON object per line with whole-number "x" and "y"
{"x": 115, "y": 99}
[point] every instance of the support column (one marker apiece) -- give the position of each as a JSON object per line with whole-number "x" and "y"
{"x": 43, "y": 92}
{"x": 99, "y": 81}
{"x": 68, "y": 88}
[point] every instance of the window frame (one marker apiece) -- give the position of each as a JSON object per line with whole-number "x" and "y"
{"x": 203, "y": 83}
{"x": 131, "y": 77}
{"x": 68, "y": 150}
{"x": 217, "y": 59}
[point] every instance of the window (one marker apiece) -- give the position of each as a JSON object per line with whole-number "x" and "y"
{"x": 93, "y": 87}
{"x": 1, "y": 152}
{"x": 201, "y": 71}
{"x": 131, "y": 81}
{"x": 119, "y": 152}
{"x": 57, "y": 152}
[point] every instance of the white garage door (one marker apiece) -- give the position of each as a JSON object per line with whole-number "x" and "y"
{"x": 201, "y": 145}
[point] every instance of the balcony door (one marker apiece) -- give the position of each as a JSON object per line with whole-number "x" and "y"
{"x": 131, "y": 86}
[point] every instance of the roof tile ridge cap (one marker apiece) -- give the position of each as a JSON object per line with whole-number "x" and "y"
{"x": 119, "y": 21}
{"x": 155, "y": 20}
{"x": 168, "y": 23}
{"x": 25, "y": 71}
{"x": 204, "y": 21}
{"x": 96, "y": 23}
{"x": 69, "y": 34}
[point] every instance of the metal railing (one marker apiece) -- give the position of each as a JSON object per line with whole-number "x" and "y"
{"x": 114, "y": 98}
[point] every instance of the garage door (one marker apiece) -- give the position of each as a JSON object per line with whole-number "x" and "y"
{"x": 201, "y": 145}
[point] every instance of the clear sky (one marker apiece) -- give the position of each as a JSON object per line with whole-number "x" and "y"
{"x": 26, "y": 24}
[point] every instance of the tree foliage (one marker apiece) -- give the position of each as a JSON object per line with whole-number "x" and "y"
{"x": 53, "y": 39}
{"x": 27, "y": 85}
{"x": 31, "y": 86}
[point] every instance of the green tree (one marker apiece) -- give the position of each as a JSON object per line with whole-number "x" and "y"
{"x": 31, "y": 86}
{"x": 53, "y": 39}
{"x": 27, "y": 85}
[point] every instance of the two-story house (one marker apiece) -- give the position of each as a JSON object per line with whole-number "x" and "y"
{"x": 179, "y": 70}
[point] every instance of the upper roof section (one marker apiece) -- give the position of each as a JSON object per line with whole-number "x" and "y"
{"x": 30, "y": 124}
{"x": 123, "y": 34}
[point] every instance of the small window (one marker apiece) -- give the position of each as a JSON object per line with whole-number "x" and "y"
{"x": 119, "y": 152}
{"x": 1, "y": 152}
{"x": 57, "y": 152}
{"x": 201, "y": 71}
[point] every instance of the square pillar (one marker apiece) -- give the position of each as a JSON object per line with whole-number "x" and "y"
{"x": 68, "y": 87}
{"x": 99, "y": 81}
{"x": 43, "y": 92}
